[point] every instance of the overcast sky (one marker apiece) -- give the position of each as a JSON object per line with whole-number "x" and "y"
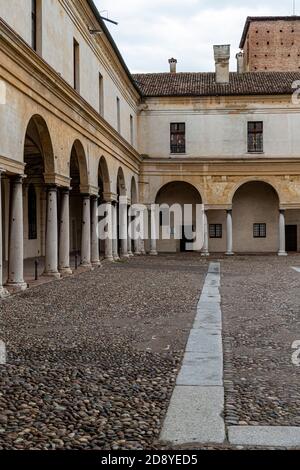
{"x": 152, "y": 31}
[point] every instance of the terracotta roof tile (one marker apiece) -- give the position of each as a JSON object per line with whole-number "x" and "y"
{"x": 204, "y": 84}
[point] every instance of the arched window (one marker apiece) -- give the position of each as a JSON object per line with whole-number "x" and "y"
{"x": 32, "y": 222}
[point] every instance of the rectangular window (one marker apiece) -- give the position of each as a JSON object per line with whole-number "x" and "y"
{"x": 131, "y": 130}
{"x": 33, "y": 24}
{"x": 101, "y": 95}
{"x": 36, "y": 26}
{"x": 76, "y": 65}
{"x": 118, "y": 116}
{"x": 255, "y": 137}
{"x": 177, "y": 137}
{"x": 259, "y": 230}
{"x": 215, "y": 231}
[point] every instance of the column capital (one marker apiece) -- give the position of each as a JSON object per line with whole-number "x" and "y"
{"x": 110, "y": 197}
{"x": 18, "y": 179}
{"x": 51, "y": 187}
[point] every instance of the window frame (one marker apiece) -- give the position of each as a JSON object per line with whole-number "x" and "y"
{"x": 177, "y": 149}
{"x": 255, "y": 137}
{"x": 101, "y": 95}
{"x": 213, "y": 231}
{"x": 76, "y": 65}
{"x": 118, "y": 115}
{"x": 261, "y": 233}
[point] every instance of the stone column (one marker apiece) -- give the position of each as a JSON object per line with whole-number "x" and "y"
{"x": 153, "y": 231}
{"x": 108, "y": 240}
{"x": 205, "y": 250}
{"x": 51, "y": 248}
{"x": 229, "y": 251}
{"x": 86, "y": 231}
{"x": 115, "y": 232}
{"x": 129, "y": 239}
{"x": 16, "y": 235}
{"x": 64, "y": 233}
{"x": 282, "y": 247}
{"x": 3, "y": 292}
{"x": 123, "y": 226}
{"x": 95, "y": 239}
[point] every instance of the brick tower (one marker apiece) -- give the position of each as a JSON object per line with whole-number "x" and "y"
{"x": 271, "y": 43}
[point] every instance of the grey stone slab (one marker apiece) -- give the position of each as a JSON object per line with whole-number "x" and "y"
{"x": 205, "y": 341}
{"x": 194, "y": 416}
{"x": 266, "y": 436}
{"x": 214, "y": 268}
{"x": 200, "y": 369}
{"x": 207, "y": 306}
{"x": 209, "y": 318}
{"x": 210, "y": 291}
{"x": 210, "y": 298}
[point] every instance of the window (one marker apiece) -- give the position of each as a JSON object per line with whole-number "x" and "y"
{"x": 36, "y": 25}
{"x": 32, "y": 222}
{"x": 101, "y": 95}
{"x": 255, "y": 137}
{"x": 215, "y": 231}
{"x": 76, "y": 65}
{"x": 178, "y": 138}
{"x": 259, "y": 230}
{"x": 131, "y": 130}
{"x": 118, "y": 115}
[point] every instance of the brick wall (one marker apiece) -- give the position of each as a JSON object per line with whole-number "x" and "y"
{"x": 273, "y": 46}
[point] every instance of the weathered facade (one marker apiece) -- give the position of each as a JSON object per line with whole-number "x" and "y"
{"x": 77, "y": 128}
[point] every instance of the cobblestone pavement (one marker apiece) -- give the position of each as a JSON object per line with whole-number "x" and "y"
{"x": 261, "y": 312}
{"x": 92, "y": 359}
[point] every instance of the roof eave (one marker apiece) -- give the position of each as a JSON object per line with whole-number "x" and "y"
{"x": 112, "y": 43}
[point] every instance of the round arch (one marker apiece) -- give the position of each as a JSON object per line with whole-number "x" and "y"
{"x": 133, "y": 191}
{"x": 121, "y": 185}
{"x": 103, "y": 174}
{"x": 172, "y": 186}
{"x": 37, "y": 134}
{"x": 79, "y": 152}
{"x": 255, "y": 214}
{"x": 240, "y": 184}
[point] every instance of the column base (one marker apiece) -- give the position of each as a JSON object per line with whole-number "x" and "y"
{"x": 153, "y": 253}
{"x": 282, "y": 253}
{"x": 205, "y": 253}
{"x": 125, "y": 256}
{"x": 137, "y": 253}
{"x": 130, "y": 254}
{"x": 96, "y": 264}
{"x": 54, "y": 275}
{"x": 3, "y": 293}
{"x": 86, "y": 265}
{"x": 65, "y": 270}
{"x": 117, "y": 258}
{"x": 17, "y": 286}
{"x": 229, "y": 253}
{"x": 109, "y": 258}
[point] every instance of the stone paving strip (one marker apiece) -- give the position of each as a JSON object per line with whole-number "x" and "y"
{"x": 265, "y": 436}
{"x": 197, "y": 404}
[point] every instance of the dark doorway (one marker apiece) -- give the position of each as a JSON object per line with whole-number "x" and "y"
{"x": 187, "y": 237}
{"x": 291, "y": 237}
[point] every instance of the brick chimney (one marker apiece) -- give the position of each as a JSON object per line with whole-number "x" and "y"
{"x": 222, "y": 57}
{"x": 173, "y": 63}
{"x": 240, "y": 62}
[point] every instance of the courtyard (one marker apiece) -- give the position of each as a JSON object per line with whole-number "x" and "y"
{"x": 92, "y": 359}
